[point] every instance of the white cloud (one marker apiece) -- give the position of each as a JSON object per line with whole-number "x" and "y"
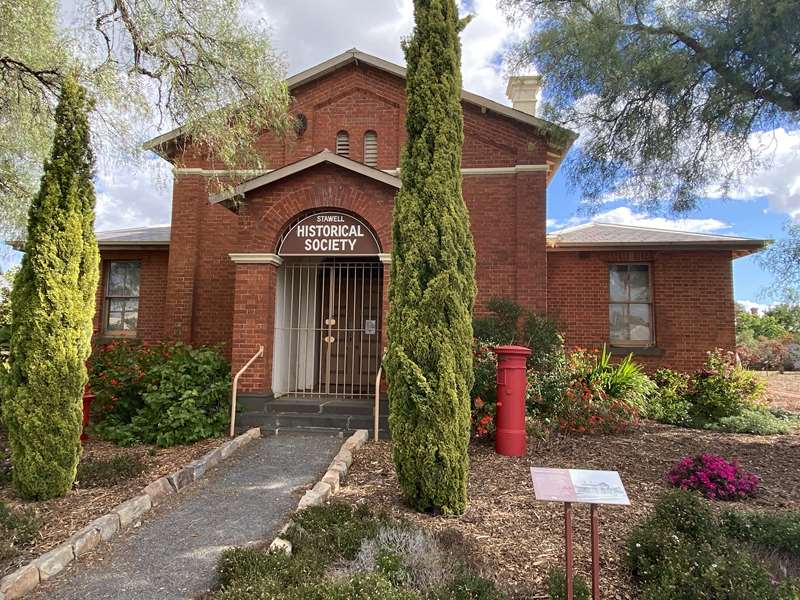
{"x": 749, "y": 305}
{"x": 623, "y": 215}
{"x": 779, "y": 180}
{"x": 133, "y": 195}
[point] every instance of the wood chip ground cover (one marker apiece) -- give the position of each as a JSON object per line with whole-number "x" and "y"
{"x": 521, "y": 539}
{"x": 61, "y": 517}
{"x": 783, "y": 390}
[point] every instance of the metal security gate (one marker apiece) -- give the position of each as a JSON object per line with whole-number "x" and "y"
{"x": 328, "y": 328}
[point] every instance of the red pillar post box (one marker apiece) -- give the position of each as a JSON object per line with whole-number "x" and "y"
{"x": 512, "y": 382}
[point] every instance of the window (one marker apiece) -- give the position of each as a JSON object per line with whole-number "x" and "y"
{"x": 630, "y": 308}
{"x": 371, "y": 149}
{"x": 122, "y": 298}
{"x": 343, "y": 143}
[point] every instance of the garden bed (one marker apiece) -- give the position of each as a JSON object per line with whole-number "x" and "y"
{"x": 521, "y": 539}
{"x": 104, "y": 487}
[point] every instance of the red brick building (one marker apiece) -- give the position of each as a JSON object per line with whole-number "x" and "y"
{"x": 297, "y": 258}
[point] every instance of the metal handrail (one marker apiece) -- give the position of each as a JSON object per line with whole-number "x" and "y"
{"x": 236, "y": 387}
{"x": 377, "y": 409}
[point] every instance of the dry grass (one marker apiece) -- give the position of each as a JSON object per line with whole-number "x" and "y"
{"x": 521, "y": 539}
{"x": 61, "y": 517}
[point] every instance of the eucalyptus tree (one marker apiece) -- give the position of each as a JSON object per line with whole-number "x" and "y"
{"x": 672, "y": 99}
{"x": 146, "y": 63}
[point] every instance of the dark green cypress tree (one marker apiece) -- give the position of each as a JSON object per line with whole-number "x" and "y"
{"x": 432, "y": 289}
{"x": 52, "y": 306}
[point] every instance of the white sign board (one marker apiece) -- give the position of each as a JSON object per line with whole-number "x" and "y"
{"x": 578, "y": 485}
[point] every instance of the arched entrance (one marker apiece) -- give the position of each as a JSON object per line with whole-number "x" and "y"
{"x": 328, "y": 308}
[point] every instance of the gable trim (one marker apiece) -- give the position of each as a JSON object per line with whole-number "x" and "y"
{"x": 160, "y": 144}
{"x": 541, "y": 168}
{"x": 326, "y": 156}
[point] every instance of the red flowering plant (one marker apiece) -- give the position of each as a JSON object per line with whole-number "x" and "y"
{"x": 118, "y": 376}
{"x": 714, "y": 477}
{"x": 587, "y": 409}
{"x": 484, "y": 389}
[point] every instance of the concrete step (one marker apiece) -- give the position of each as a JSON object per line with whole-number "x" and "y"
{"x": 310, "y": 422}
{"x": 353, "y": 407}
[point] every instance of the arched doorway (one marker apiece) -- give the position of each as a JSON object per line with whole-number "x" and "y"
{"x": 328, "y": 309}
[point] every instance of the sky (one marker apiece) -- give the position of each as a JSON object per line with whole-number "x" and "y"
{"x": 308, "y": 32}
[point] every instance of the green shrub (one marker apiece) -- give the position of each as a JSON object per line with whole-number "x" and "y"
{"x": 723, "y": 389}
{"x": 557, "y": 586}
{"x": 758, "y": 421}
{"x": 468, "y": 587}
{"x": 18, "y": 530}
{"x": 681, "y": 552}
{"x": 779, "y": 532}
{"x": 484, "y": 389}
{"x": 247, "y": 565}
{"x": 668, "y": 402}
{"x": 547, "y": 388}
{"x": 543, "y": 335}
{"x": 585, "y": 392}
{"x": 105, "y": 473}
{"x": 509, "y": 323}
{"x": 501, "y": 325}
{"x": 623, "y": 380}
{"x": 119, "y": 375}
{"x": 327, "y": 533}
{"x": 186, "y": 400}
{"x": 341, "y": 553}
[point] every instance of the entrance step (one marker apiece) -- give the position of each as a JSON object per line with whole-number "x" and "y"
{"x": 320, "y": 415}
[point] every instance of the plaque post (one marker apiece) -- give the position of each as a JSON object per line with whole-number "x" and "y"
{"x": 568, "y": 550}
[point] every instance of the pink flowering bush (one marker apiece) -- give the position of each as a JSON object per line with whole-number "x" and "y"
{"x": 714, "y": 477}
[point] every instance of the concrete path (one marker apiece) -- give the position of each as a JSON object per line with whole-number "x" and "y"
{"x": 173, "y": 554}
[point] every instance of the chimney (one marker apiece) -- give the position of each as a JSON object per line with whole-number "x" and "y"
{"x": 523, "y": 90}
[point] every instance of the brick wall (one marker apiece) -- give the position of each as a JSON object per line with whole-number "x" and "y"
{"x": 202, "y": 297}
{"x": 692, "y": 294}
{"x": 152, "y": 291}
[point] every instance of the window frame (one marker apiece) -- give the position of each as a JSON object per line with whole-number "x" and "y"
{"x": 633, "y": 344}
{"x": 107, "y": 298}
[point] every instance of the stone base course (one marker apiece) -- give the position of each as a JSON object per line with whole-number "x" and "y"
{"x": 130, "y": 511}
{"x": 158, "y": 490}
{"x": 28, "y": 577}
{"x": 327, "y": 486}
{"x": 20, "y": 582}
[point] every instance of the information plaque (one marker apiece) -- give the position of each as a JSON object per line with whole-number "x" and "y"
{"x": 578, "y": 485}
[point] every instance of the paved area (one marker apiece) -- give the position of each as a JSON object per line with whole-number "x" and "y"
{"x": 173, "y": 553}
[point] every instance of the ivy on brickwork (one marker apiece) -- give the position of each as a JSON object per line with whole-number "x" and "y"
{"x": 429, "y": 363}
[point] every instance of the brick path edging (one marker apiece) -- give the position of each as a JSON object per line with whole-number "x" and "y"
{"x": 42, "y": 568}
{"x": 326, "y": 487}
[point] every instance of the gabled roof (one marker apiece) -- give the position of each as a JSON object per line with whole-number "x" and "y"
{"x": 161, "y": 144}
{"x": 325, "y": 156}
{"x": 155, "y": 235}
{"x": 611, "y": 235}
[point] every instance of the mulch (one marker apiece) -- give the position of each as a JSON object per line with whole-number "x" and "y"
{"x": 783, "y": 390}
{"x": 520, "y": 540}
{"x": 61, "y": 517}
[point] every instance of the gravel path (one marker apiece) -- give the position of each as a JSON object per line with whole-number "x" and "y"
{"x": 173, "y": 554}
